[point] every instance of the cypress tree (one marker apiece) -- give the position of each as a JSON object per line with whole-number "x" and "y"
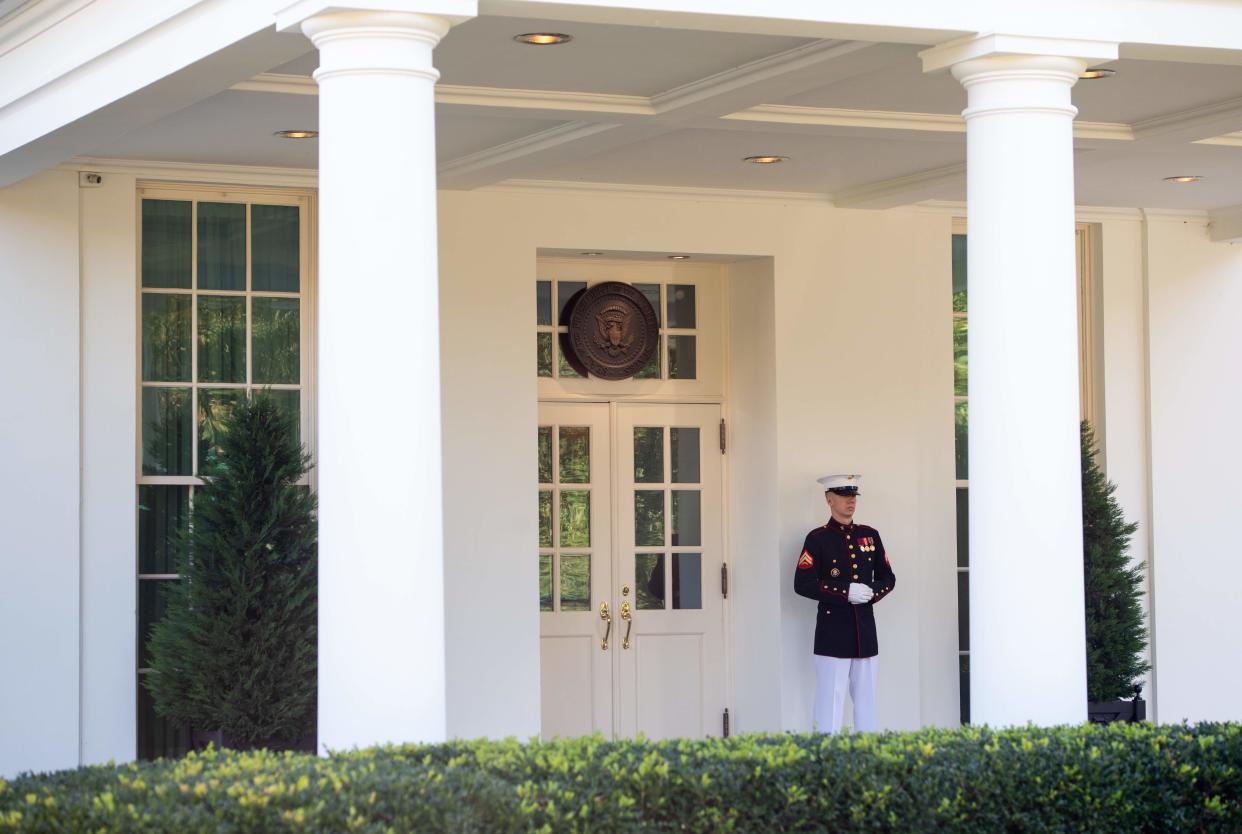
{"x": 1116, "y": 635}
{"x": 235, "y": 651}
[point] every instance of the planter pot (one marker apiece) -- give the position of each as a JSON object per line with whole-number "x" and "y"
{"x": 1106, "y": 712}
{"x": 199, "y": 739}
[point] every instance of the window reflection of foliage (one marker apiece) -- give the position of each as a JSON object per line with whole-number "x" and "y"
{"x": 575, "y": 518}
{"x": 545, "y": 454}
{"x": 959, "y": 273}
{"x": 545, "y": 518}
{"x": 575, "y": 582}
{"x": 648, "y": 455}
{"x": 961, "y": 424}
{"x": 649, "y": 581}
{"x": 545, "y": 583}
{"x": 648, "y": 518}
{"x": 566, "y": 369}
{"x": 165, "y": 435}
{"x": 221, "y": 338}
{"x": 959, "y": 357}
{"x": 214, "y": 408}
{"x": 275, "y": 327}
{"x": 165, "y": 337}
{"x": 575, "y": 454}
{"x": 543, "y": 354}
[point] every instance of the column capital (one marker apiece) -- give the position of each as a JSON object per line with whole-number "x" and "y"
{"x": 998, "y": 45}
{"x": 291, "y": 18}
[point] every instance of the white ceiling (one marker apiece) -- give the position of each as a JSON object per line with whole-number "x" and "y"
{"x": 689, "y": 143}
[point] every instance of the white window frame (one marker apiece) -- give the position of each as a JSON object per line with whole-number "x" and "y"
{"x": 307, "y": 296}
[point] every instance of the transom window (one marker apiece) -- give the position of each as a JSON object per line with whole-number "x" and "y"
{"x": 676, "y": 308}
{"x": 222, "y": 305}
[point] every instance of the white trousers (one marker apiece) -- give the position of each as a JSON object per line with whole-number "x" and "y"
{"x": 834, "y": 675}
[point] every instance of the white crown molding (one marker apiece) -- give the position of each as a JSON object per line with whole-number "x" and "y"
{"x": 1101, "y": 214}
{"x": 839, "y": 117}
{"x": 19, "y": 25}
{"x": 275, "y": 82}
{"x": 470, "y": 96}
{"x": 659, "y": 192}
{"x": 253, "y": 175}
{"x": 1229, "y": 139}
{"x": 894, "y": 120}
{"x": 543, "y": 100}
{"x": 1175, "y": 215}
{"x": 952, "y": 208}
{"x": 1082, "y": 214}
{"x": 897, "y": 191}
{"x": 1206, "y": 118}
{"x": 772, "y": 66}
{"x": 525, "y": 146}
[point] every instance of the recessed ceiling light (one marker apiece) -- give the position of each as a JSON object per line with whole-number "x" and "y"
{"x": 543, "y": 38}
{"x": 591, "y": 254}
{"x": 679, "y": 257}
{"x": 769, "y": 159}
{"x": 1185, "y": 178}
{"x": 1091, "y": 73}
{"x": 297, "y": 134}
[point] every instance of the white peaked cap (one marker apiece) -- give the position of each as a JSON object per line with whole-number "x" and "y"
{"x": 840, "y": 481}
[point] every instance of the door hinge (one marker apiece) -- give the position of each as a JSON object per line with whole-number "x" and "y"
{"x": 722, "y": 436}
{"x": 724, "y": 580}
{"x": 726, "y": 722}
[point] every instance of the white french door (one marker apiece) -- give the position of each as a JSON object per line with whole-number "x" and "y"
{"x": 631, "y": 513}
{"x": 575, "y": 570}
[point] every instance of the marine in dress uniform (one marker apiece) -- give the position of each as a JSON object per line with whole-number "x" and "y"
{"x": 844, "y": 568}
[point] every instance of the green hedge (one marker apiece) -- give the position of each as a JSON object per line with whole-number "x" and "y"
{"x": 1120, "y": 778}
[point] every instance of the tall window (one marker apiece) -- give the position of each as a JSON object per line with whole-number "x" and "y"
{"x": 223, "y": 278}
{"x": 960, "y": 420}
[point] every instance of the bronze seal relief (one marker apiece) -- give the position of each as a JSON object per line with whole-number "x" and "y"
{"x": 613, "y": 331}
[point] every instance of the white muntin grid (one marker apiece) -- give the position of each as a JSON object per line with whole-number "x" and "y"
{"x": 554, "y": 488}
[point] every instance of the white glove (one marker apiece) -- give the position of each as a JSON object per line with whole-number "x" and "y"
{"x": 860, "y": 593}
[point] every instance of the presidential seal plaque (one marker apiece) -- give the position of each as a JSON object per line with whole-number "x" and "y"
{"x": 612, "y": 331}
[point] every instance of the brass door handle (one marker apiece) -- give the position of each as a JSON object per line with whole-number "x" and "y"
{"x": 629, "y": 623}
{"x": 606, "y": 617}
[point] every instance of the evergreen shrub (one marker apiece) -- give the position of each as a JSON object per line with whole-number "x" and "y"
{"x": 1116, "y": 635}
{"x": 1130, "y": 778}
{"x": 235, "y": 651}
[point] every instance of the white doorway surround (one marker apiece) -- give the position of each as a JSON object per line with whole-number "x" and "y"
{"x": 632, "y": 614}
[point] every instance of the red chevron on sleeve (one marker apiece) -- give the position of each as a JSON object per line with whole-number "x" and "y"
{"x": 805, "y": 561}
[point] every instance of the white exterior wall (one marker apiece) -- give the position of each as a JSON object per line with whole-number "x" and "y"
{"x": 877, "y": 283}
{"x": 1194, "y": 306}
{"x": 757, "y": 569}
{"x": 865, "y": 384}
{"x": 39, "y": 487}
{"x": 109, "y": 463}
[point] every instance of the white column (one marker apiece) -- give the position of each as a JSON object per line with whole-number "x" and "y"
{"x": 1027, "y": 627}
{"x": 381, "y": 574}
